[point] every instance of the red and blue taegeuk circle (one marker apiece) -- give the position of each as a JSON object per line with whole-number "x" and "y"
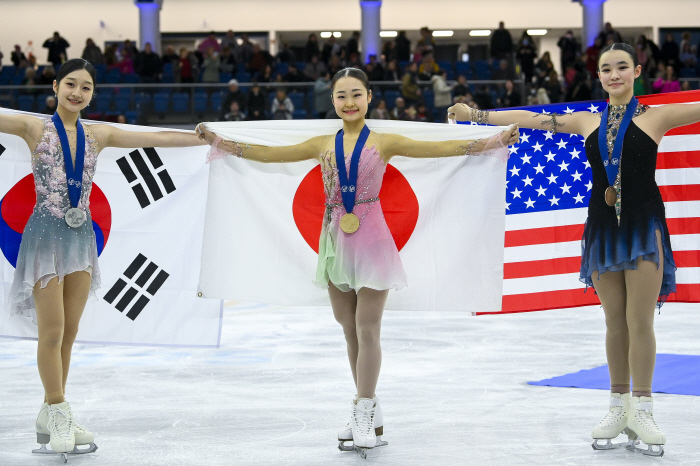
{"x": 18, "y": 204}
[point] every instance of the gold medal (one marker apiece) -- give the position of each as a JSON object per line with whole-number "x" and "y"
{"x": 610, "y": 196}
{"x": 349, "y": 223}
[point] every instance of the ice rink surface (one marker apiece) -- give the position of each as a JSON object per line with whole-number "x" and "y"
{"x": 453, "y": 389}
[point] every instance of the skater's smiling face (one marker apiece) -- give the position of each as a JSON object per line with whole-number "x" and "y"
{"x": 75, "y": 90}
{"x": 351, "y": 98}
{"x": 617, "y": 70}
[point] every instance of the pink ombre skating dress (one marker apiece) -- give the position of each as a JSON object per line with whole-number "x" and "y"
{"x": 367, "y": 258}
{"x": 50, "y": 248}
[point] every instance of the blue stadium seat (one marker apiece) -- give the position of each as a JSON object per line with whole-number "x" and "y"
{"x": 26, "y": 103}
{"x": 130, "y": 78}
{"x": 243, "y": 77}
{"x": 181, "y": 102}
{"x": 122, "y": 103}
{"x": 299, "y": 114}
{"x": 215, "y": 101}
{"x": 225, "y": 77}
{"x": 445, "y": 65}
{"x": 161, "y": 102}
{"x": 200, "y": 102}
{"x": 429, "y": 97}
{"x": 390, "y": 98}
{"x": 142, "y": 99}
{"x": 298, "y": 99}
{"x": 281, "y": 68}
{"x": 403, "y": 65}
{"x": 688, "y": 73}
{"x": 103, "y": 102}
{"x": 482, "y": 69}
{"x": 113, "y": 76}
{"x": 132, "y": 116}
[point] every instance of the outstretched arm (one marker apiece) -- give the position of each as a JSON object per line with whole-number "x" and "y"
{"x": 306, "y": 150}
{"x": 393, "y": 144}
{"x": 578, "y": 123}
{"x": 672, "y": 116}
{"x": 109, "y": 136}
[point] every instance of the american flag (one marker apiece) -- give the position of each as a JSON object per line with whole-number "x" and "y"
{"x": 547, "y": 191}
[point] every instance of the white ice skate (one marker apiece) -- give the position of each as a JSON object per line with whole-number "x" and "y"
{"x": 613, "y": 424}
{"x": 82, "y": 435}
{"x": 345, "y": 435}
{"x": 364, "y": 437}
{"x": 641, "y": 426}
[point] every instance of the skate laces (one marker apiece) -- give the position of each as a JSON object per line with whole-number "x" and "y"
{"x": 60, "y": 423}
{"x": 644, "y": 416}
{"x": 616, "y": 412}
{"x": 363, "y": 420}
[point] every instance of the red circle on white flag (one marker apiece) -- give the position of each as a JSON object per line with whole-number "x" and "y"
{"x": 399, "y": 204}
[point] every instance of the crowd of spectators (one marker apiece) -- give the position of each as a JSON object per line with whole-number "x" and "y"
{"x": 423, "y": 88}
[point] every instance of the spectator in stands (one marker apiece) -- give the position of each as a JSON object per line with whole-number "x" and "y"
{"x": 609, "y": 33}
{"x": 688, "y": 57}
{"x": 259, "y": 59}
{"x": 428, "y": 67}
{"x": 314, "y": 69}
{"x": 2, "y": 55}
{"x": 185, "y": 67}
{"x": 234, "y": 113}
{"x": 128, "y": 47}
{"x": 462, "y": 87}
{"x": 170, "y": 56}
{"x": 592, "y": 57}
{"x": 553, "y": 87}
{"x": 234, "y": 94}
{"x": 409, "y": 87}
{"x": 126, "y": 64}
{"x": 210, "y": 41}
{"x": 482, "y": 98}
{"x": 510, "y": 97}
{"x": 110, "y": 56}
{"x": 227, "y": 61}
{"x": 353, "y": 45}
{"x": 527, "y": 54}
{"x": 335, "y": 65}
{"x": 685, "y": 86}
{"x": 229, "y": 41}
{"x": 685, "y": 38}
{"x": 504, "y": 71}
{"x": 121, "y": 119}
{"x": 377, "y": 69}
{"x": 322, "y": 94}
{"x": 17, "y": 56}
{"x": 210, "y": 67}
{"x": 265, "y": 76}
{"x": 330, "y": 48}
{"x": 282, "y": 106}
{"x": 380, "y": 112}
{"x": 443, "y": 95}
{"x": 569, "y": 49}
{"x": 545, "y": 63}
{"x": 501, "y": 42}
{"x": 92, "y": 53}
{"x": 354, "y": 61}
{"x": 579, "y": 90}
{"x": 244, "y": 51}
{"x": 403, "y": 47}
{"x": 30, "y": 80}
{"x": 311, "y": 49}
{"x": 48, "y": 74}
{"x": 50, "y": 105}
{"x": 399, "y": 111}
{"x": 148, "y": 65}
{"x": 667, "y": 83}
{"x": 57, "y": 47}
{"x": 392, "y": 71}
{"x": 426, "y": 41}
{"x": 256, "y": 103}
{"x": 670, "y": 51}
{"x": 286, "y": 55}
{"x": 422, "y": 113}
{"x": 293, "y": 76}
{"x": 389, "y": 51}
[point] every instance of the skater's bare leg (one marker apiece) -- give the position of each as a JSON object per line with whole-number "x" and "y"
{"x": 344, "y": 305}
{"x": 612, "y": 292}
{"x": 76, "y": 289}
{"x": 50, "y": 322}
{"x": 643, "y": 286}
{"x": 368, "y": 321}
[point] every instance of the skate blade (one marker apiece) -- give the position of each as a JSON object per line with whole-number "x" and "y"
{"x": 90, "y": 448}
{"x": 650, "y": 450}
{"x": 362, "y": 451}
{"x": 346, "y": 445}
{"x": 609, "y": 445}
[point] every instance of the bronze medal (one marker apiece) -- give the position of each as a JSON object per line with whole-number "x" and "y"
{"x": 610, "y": 196}
{"x": 349, "y": 223}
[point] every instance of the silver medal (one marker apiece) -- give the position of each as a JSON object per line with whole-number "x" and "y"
{"x": 75, "y": 217}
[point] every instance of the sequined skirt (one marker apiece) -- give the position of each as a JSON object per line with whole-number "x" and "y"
{"x": 50, "y": 248}
{"x": 605, "y": 246}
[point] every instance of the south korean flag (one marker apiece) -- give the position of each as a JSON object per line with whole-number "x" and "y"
{"x": 148, "y": 207}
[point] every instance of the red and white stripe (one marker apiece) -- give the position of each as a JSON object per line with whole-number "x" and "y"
{"x": 543, "y": 249}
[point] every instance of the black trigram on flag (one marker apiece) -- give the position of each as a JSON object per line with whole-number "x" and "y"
{"x": 2, "y": 149}
{"x": 146, "y": 175}
{"x": 136, "y": 286}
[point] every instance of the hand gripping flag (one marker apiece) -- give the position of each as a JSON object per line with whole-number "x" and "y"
{"x": 147, "y": 206}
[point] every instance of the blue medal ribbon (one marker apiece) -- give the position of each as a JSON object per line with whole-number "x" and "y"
{"x": 612, "y": 166}
{"x": 348, "y": 184}
{"x": 74, "y": 174}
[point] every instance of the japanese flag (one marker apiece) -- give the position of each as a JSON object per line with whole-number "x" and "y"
{"x": 148, "y": 209}
{"x": 446, "y": 215}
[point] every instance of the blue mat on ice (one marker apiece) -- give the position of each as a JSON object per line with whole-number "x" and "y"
{"x": 677, "y": 374}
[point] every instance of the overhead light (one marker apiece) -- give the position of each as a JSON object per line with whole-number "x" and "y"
{"x": 326, "y": 35}
{"x": 480, "y": 32}
{"x": 537, "y": 32}
{"x": 388, "y": 34}
{"x": 443, "y": 33}
{"x": 337, "y": 35}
